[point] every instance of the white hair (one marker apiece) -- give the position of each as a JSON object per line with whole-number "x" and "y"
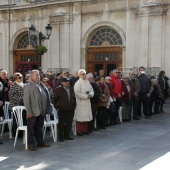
{"x": 89, "y": 75}
{"x": 81, "y": 70}
{"x": 4, "y": 71}
{"x": 106, "y": 78}
{"x": 33, "y": 71}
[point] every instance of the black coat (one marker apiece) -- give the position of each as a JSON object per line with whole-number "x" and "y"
{"x": 61, "y": 100}
{"x": 2, "y": 98}
{"x": 97, "y": 94}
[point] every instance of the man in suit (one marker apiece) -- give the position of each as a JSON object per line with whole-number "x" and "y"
{"x": 37, "y": 104}
{"x": 144, "y": 94}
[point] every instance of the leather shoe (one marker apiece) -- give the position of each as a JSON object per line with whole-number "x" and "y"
{"x": 1, "y": 142}
{"x": 79, "y": 134}
{"x": 147, "y": 117}
{"x": 44, "y": 145}
{"x": 136, "y": 118}
{"x": 32, "y": 148}
{"x": 69, "y": 138}
{"x": 61, "y": 140}
{"x": 85, "y": 133}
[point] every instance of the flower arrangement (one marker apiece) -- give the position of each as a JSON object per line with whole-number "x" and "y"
{"x": 41, "y": 50}
{"x": 23, "y": 67}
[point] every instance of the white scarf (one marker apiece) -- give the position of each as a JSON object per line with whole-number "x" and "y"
{"x": 20, "y": 84}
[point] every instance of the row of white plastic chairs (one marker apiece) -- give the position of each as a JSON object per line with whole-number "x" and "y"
{"x": 17, "y": 111}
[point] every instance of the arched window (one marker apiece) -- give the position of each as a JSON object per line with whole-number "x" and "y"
{"x": 106, "y": 37}
{"x": 24, "y": 42}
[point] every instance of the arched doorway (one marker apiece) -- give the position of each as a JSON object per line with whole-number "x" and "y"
{"x": 104, "y": 50}
{"x": 24, "y": 51}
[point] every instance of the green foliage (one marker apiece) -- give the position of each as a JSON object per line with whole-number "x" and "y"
{"x": 41, "y": 50}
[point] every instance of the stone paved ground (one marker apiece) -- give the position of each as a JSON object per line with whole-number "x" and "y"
{"x": 139, "y": 145}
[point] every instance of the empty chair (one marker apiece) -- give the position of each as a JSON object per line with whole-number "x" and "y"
{"x": 18, "y": 111}
{"x": 7, "y": 120}
{"x": 51, "y": 123}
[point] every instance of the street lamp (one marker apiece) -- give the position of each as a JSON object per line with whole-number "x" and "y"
{"x": 41, "y": 36}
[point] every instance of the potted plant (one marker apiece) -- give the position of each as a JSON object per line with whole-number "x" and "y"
{"x": 41, "y": 49}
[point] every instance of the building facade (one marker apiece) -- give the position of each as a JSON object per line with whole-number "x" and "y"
{"x": 90, "y": 34}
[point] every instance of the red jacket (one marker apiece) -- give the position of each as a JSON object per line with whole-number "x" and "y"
{"x": 127, "y": 95}
{"x": 116, "y": 86}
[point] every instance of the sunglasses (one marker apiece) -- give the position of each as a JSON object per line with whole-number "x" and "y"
{"x": 45, "y": 82}
{"x": 83, "y": 74}
{"x": 133, "y": 74}
{"x": 124, "y": 78}
{"x": 20, "y": 77}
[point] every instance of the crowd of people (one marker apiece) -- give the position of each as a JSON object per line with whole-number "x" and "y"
{"x": 92, "y": 100}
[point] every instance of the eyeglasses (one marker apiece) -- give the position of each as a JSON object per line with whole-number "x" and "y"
{"x": 64, "y": 73}
{"x": 20, "y": 77}
{"x": 133, "y": 74}
{"x": 124, "y": 78}
{"x": 45, "y": 82}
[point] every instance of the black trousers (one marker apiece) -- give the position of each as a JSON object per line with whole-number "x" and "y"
{"x": 1, "y": 111}
{"x": 101, "y": 116}
{"x": 144, "y": 101}
{"x": 35, "y": 127}
{"x": 94, "y": 112}
{"x": 117, "y": 105}
{"x": 135, "y": 106}
{"x": 65, "y": 123}
{"x": 156, "y": 106}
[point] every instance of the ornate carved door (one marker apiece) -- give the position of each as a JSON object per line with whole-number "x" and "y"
{"x": 27, "y": 56}
{"x": 104, "y": 50}
{"x": 107, "y": 58}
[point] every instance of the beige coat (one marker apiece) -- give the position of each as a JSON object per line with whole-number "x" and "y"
{"x": 83, "y": 111}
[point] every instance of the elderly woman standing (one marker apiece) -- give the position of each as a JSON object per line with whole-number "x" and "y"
{"x": 103, "y": 103}
{"x": 83, "y": 92}
{"x": 16, "y": 97}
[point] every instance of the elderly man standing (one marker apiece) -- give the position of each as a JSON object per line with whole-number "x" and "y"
{"x": 37, "y": 104}
{"x": 94, "y": 101}
{"x": 74, "y": 79}
{"x": 136, "y": 85}
{"x": 4, "y": 80}
{"x": 83, "y": 92}
{"x": 117, "y": 87}
{"x": 2, "y": 101}
{"x": 65, "y": 102}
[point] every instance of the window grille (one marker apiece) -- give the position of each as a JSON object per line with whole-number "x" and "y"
{"x": 105, "y": 37}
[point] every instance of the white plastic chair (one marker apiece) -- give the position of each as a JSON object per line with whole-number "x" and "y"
{"x": 120, "y": 113}
{"x": 17, "y": 111}
{"x": 7, "y": 120}
{"x": 51, "y": 123}
{"x": 74, "y": 127}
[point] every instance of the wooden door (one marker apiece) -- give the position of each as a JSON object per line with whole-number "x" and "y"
{"x": 107, "y": 58}
{"x": 27, "y": 56}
